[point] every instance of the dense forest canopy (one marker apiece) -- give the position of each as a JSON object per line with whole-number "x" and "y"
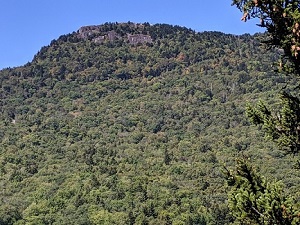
{"x": 98, "y": 129}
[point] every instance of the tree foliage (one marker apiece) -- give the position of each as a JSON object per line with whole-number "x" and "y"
{"x": 281, "y": 18}
{"x": 252, "y": 198}
{"x": 282, "y": 128}
{"x": 255, "y": 200}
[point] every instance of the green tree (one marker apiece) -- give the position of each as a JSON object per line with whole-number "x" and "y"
{"x": 281, "y": 18}
{"x": 283, "y": 129}
{"x": 255, "y": 200}
{"x": 252, "y": 199}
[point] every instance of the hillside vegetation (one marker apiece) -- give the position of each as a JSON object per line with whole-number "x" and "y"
{"x": 100, "y": 130}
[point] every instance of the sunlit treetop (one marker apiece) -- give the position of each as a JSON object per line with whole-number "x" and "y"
{"x": 281, "y": 18}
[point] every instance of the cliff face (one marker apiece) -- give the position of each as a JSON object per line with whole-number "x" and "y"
{"x": 139, "y": 38}
{"x": 98, "y": 35}
{"x": 86, "y": 31}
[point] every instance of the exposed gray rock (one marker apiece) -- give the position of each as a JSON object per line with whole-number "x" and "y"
{"x": 139, "y": 38}
{"x": 99, "y": 36}
{"x": 99, "y": 39}
{"x": 86, "y": 31}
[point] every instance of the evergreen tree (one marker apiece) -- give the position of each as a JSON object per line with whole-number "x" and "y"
{"x": 253, "y": 199}
{"x": 281, "y": 18}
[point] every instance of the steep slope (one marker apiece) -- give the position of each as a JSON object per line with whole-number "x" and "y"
{"x": 131, "y": 124}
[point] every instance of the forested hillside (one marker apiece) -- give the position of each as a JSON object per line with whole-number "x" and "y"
{"x": 129, "y": 123}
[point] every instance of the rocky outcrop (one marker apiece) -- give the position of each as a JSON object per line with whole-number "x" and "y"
{"x": 112, "y": 35}
{"x": 96, "y": 34}
{"x": 86, "y": 31}
{"x": 99, "y": 39}
{"x": 139, "y": 38}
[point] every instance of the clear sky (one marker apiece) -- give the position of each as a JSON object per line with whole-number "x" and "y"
{"x": 27, "y": 25}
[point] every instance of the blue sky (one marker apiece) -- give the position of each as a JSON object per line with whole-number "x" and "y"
{"x": 26, "y": 26}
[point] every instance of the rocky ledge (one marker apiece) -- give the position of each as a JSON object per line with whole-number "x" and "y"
{"x": 97, "y": 35}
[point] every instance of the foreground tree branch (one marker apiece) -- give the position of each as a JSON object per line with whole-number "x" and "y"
{"x": 255, "y": 200}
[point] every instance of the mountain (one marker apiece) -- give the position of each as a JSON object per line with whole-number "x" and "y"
{"x": 126, "y": 123}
